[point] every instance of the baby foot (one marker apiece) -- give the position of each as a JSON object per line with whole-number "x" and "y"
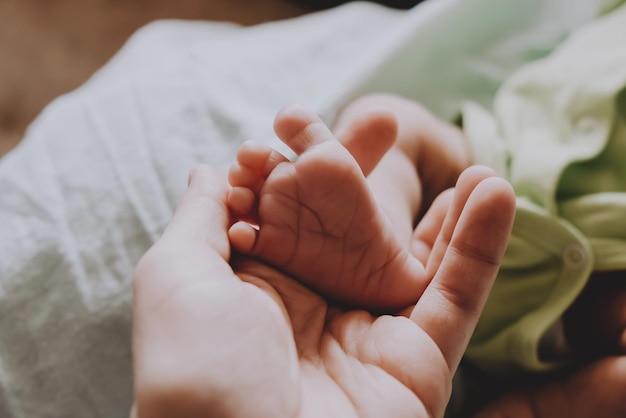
{"x": 316, "y": 218}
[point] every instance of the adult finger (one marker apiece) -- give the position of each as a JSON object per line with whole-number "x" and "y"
{"x": 202, "y": 217}
{"x": 367, "y": 135}
{"x": 465, "y": 185}
{"x": 182, "y": 290}
{"x": 194, "y": 246}
{"x": 427, "y": 230}
{"x": 449, "y": 308}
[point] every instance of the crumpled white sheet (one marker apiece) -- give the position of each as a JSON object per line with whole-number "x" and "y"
{"x": 96, "y": 179}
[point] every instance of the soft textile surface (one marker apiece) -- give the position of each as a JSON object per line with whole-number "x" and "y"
{"x": 97, "y": 177}
{"x": 559, "y": 137}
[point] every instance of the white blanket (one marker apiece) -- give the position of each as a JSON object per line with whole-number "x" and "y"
{"x": 95, "y": 181}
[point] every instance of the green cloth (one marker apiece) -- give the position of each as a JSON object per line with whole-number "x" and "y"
{"x": 558, "y": 134}
{"x": 444, "y": 52}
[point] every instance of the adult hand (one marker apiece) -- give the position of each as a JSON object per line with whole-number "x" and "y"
{"x": 596, "y": 390}
{"x": 221, "y": 337}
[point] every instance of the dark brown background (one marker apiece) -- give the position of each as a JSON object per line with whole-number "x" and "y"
{"x": 48, "y": 47}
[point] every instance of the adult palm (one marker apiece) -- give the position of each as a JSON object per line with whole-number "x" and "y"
{"x": 216, "y": 336}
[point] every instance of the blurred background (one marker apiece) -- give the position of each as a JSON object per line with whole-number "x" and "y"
{"x": 49, "y": 47}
